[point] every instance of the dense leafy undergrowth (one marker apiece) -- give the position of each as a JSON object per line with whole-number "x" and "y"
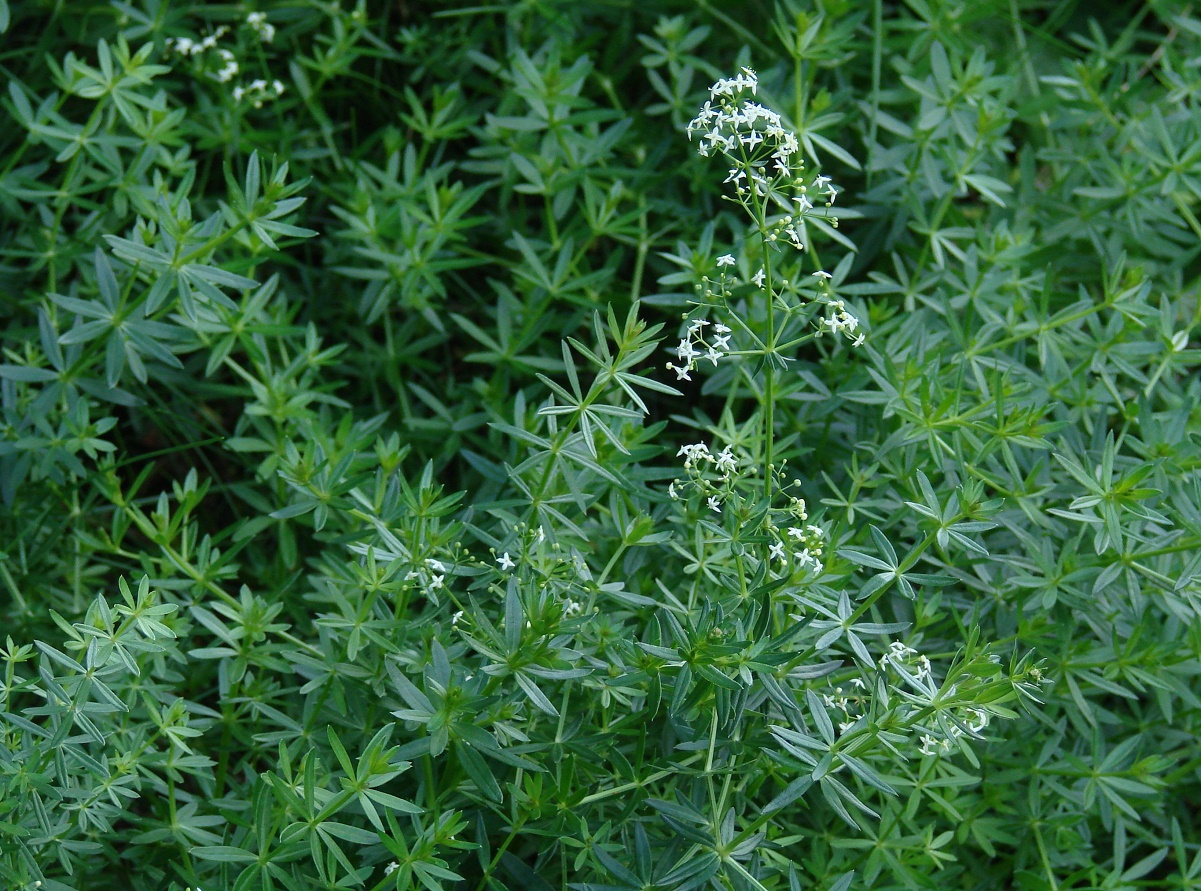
{"x": 439, "y": 450}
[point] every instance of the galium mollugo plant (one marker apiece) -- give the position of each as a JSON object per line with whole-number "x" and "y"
{"x": 770, "y": 183}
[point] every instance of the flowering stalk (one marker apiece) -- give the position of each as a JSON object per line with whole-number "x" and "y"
{"x": 767, "y": 177}
{"x": 770, "y": 184}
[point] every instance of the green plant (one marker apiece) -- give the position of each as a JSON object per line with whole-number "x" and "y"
{"x": 353, "y": 534}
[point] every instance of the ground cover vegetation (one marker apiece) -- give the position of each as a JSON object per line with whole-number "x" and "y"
{"x": 613, "y": 445}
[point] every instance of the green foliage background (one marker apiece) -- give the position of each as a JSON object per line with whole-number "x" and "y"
{"x": 273, "y": 402}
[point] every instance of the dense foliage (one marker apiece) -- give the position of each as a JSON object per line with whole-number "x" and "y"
{"x": 419, "y": 469}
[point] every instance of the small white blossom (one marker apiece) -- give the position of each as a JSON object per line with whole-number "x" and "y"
{"x": 714, "y": 504}
{"x": 505, "y": 561}
{"x": 758, "y": 278}
{"x": 725, "y": 260}
{"x": 259, "y": 24}
{"x": 725, "y": 461}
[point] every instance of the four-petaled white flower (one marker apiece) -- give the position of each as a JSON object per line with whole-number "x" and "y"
{"x": 436, "y": 582}
{"x": 777, "y": 551}
{"x": 822, "y": 274}
{"x": 725, "y": 461}
{"x": 505, "y": 561}
{"x": 725, "y": 260}
{"x": 714, "y": 504}
{"x": 758, "y": 278}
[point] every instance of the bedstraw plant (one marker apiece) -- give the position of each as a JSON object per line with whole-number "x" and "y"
{"x": 455, "y": 447}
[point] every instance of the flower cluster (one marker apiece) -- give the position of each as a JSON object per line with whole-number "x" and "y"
{"x": 186, "y": 46}
{"x": 693, "y": 347}
{"x": 915, "y": 668}
{"x": 259, "y": 91}
{"x": 840, "y": 699}
{"x": 257, "y": 21}
{"x": 932, "y": 745}
{"x": 900, "y": 657}
{"x": 804, "y": 541}
{"x": 698, "y": 463}
{"x": 761, "y": 151}
{"x": 839, "y": 321}
{"x": 431, "y": 575}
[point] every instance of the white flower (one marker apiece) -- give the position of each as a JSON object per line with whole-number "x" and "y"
{"x": 752, "y": 139}
{"x": 823, "y": 275}
{"x": 758, "y": 278}
{"x": 720, "y": 329}
{"x": 928, "y": 744}
{"x": 391, "y": 868}
{"x": 725, "y": 461}
{"x": 436, "y": 582}
{"x": 454, "y": 620}
{"x": 505, "y": 561}
{"x": 686, "y": 352}
{"x": 695, "y": 326}
{"x": 721, "y": 342}
{"x": 681, "y": 372}
{"x": 714, "y": 504}
{"x": 858, "y": 341}
{"x": 725, "y": 260}
{"x": 776, "y": 551}
{"x": 436, "y": 565}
